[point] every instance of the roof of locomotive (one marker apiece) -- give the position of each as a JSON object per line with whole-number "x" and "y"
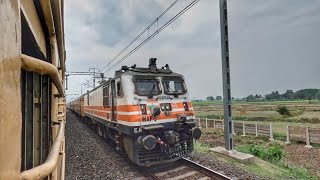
{"x": 152, "y": 70}
{"x": 134, "y": 72}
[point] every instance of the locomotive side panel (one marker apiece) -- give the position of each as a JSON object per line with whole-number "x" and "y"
{"x": 93, "y": 103}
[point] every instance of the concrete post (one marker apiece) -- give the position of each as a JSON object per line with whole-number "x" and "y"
{"x": 214, "y": 123}
{"x": 271, "y": 133}
{"x": 222, "y": 124}
{"x": 199, "y": 122}
{"x": 308, "y": 145}
{"x": 206, "y": 122}
{"x": 243, "y": 129}
{"x": 288, "y": 135}
{"x": 257, "y": 129}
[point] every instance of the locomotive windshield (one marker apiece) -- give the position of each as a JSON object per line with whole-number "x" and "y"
{"x": 146, "y": 86}
{"x": 173, "y": 85}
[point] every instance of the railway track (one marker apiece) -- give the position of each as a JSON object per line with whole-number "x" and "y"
{"x": 182, "y": 169}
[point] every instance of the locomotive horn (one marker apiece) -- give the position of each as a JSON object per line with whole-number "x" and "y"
{"x": 153, "y": 64}
{"x": 148, "y": 142}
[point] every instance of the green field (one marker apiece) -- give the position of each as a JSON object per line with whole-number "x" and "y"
{"x": 303, "y": 113}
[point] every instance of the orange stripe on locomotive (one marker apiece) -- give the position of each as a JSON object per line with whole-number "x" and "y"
{"x": 137, "y": 117}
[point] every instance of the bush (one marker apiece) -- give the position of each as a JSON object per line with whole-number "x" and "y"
{"x": 272, "y": 154}
{"x": 283, "y": 110}
{"x": 256, "y": 150}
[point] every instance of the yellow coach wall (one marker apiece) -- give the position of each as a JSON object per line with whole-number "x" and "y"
{"x": 10, "y": 96}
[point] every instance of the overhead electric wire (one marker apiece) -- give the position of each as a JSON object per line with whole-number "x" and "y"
{"x": 139, "y": 35}
{"x": 154, "y": 34}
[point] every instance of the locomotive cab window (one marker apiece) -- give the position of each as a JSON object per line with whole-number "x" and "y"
{"x": 119, "y": 89}
{"x": 146, "y": 86}
{"x": 173, "y": 85}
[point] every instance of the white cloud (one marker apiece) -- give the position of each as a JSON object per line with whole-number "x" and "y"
{"x": 261, "y": 34}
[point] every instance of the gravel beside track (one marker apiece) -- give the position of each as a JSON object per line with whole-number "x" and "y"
{"x": 88, "y": 156}
{"x": 223, "y": 167}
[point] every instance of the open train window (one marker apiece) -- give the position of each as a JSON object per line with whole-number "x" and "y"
{"x": 146, "y": 86}
{"x": 173, "y": 85}
{"x": 105, "y": 96}
{"x": 119, "y": 89}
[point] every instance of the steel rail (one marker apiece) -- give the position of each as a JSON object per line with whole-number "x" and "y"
{"x": 205, "y": 170}
{"x": 50, "y": 164}
{"x": 148, "y": 174}
{"x": 191, "y": 164}
{"x": 29, "y": 63}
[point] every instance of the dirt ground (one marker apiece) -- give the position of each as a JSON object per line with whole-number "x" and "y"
{"x": 298, "y": 155}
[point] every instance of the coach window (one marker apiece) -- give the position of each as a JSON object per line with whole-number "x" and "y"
{"x": 119, "y": 89}
{"x": 106, "y": 96}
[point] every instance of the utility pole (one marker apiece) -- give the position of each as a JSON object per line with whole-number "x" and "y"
{"x": 226, "y": 76}
{"x": 66, "y": 81}
{"x": 87, "y": 85}
{"x": 68, "y": 73}
{"x": 95, "y": 74}
{"x": 94, "y": 77}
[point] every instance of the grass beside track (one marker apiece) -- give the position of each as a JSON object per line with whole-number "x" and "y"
{"x": 261, "y": 167}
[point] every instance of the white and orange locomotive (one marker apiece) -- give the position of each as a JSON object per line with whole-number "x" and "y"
{"x": 146, "y": 111}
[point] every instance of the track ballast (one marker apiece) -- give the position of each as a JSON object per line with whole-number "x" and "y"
{"x": 183, "y": 169}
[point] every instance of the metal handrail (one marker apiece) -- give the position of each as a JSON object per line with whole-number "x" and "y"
{"x": 29, "y": 63}
{"x": 50, "y": 164}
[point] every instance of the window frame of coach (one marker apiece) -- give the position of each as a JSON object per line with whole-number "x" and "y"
{"x": 35, "y": 102}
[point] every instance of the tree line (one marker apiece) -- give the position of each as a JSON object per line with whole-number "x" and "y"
{"x": 211, "y": 98}
{"x": 304, "y": 94}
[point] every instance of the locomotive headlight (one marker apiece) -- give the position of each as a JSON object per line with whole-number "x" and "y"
{"x": 143, "y": 109}
{"x": 166, "y": 107}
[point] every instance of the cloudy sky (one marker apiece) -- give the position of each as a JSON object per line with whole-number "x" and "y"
{"x": 274, "y": 45}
